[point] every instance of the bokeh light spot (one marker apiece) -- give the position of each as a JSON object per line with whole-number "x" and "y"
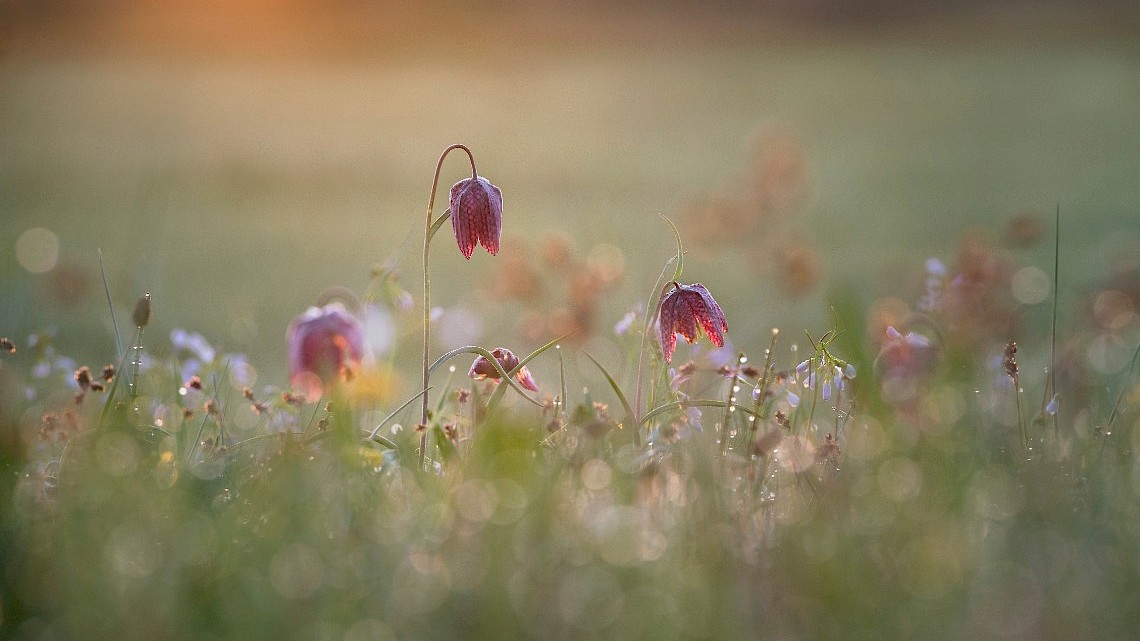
{"x": 296, "y": 571}
{"x": 1113, "y": 309}
{"x": 900, "y": 479}
{"x": 1030, "y": 285}
{"x": 37, "y": 250}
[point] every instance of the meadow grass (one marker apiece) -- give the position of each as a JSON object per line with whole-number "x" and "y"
{"x": 896, "y": 490}
{"x": 762, "y": 489}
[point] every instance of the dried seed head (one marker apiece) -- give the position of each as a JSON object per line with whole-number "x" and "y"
{"x": 108, "y": 373}
{"x": 476, "y": 215}
{"x": 1009, "y": 360}
{"x": 141, "y": 315}
{"x": 83, "y": 378}
{"x": 6, "y": 345}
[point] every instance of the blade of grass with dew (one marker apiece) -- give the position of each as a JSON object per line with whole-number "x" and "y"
{"x": 444, "y": 390}
{"x": 1123, "y": 391}
{"x": 110, "y": 306}
{"x": 111, "y": 392}
{"x": 680, "y": 405}
{"x": 375, "y": 432}
{"x": 678, "y": 260}
{"x": 621, "y": 396}
{"x": 1051, "y": 382}
{"x": 561, "y": 383}
{"x": 1116, "y": 406}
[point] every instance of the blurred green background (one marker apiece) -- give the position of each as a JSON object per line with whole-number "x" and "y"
{"x": 237, "y": 158}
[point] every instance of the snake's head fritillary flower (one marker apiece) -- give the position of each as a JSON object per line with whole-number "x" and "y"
{"x": 323, "y": 343}
{"x": 686, "y": 310}
{"x": 476, "y": 215}
{"x": 483, "y": 369}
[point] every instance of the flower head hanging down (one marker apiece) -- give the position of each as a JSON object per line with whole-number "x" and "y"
{"x": 686, "y": 310}
{"x": 483, "y": 369}
{"x": 323, "y": 343}
{"x": 476, "y": 215}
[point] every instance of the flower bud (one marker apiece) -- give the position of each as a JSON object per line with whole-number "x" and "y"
{"x": 141, "y": 315}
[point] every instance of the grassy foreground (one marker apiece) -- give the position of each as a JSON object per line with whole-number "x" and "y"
{"x": 927, "y": 494}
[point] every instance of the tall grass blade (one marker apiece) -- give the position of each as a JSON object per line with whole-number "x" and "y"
{"x": 621, "y": 397}
{"x": 110, "y": 306}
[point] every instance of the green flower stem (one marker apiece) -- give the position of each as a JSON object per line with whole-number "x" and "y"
{"x": 429, "y": 231}
{"x": 678, "y": 261}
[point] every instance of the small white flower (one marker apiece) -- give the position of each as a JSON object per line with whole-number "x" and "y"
{"x": 1051, "y": 407}
{"x": 621, "y": 328}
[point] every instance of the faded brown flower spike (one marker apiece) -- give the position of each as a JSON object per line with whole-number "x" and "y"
{"x": 141, "y": 315}
{"x": 476, "y": 215}
{"x": 686, "y": 310}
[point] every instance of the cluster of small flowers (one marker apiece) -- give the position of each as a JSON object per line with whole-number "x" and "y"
{"x": 831, "y": 373}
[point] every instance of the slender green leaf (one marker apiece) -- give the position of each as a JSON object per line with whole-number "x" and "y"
{"x": 373, "y": 434}
{"x": 613, "y": 385}
{"x": 438, "y": 222}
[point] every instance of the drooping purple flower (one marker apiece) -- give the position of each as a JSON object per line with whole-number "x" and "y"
{"x": 324, "y": 342}
{"x": 483, "y": 369}
{"x": 686, "y": 310}
{"x": 476, "y": 215}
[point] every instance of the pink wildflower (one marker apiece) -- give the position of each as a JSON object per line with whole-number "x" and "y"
{"x": 324, "y": 342}
{"x": 476, "y": 215}
{"x": 686, "y": 310}
{"x": 483, "y": 369}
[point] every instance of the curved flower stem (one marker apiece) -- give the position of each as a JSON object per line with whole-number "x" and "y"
{"x": 700, "y": 402}
{"x": 677, "y": 260}
{"x": 427, "y": 287}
